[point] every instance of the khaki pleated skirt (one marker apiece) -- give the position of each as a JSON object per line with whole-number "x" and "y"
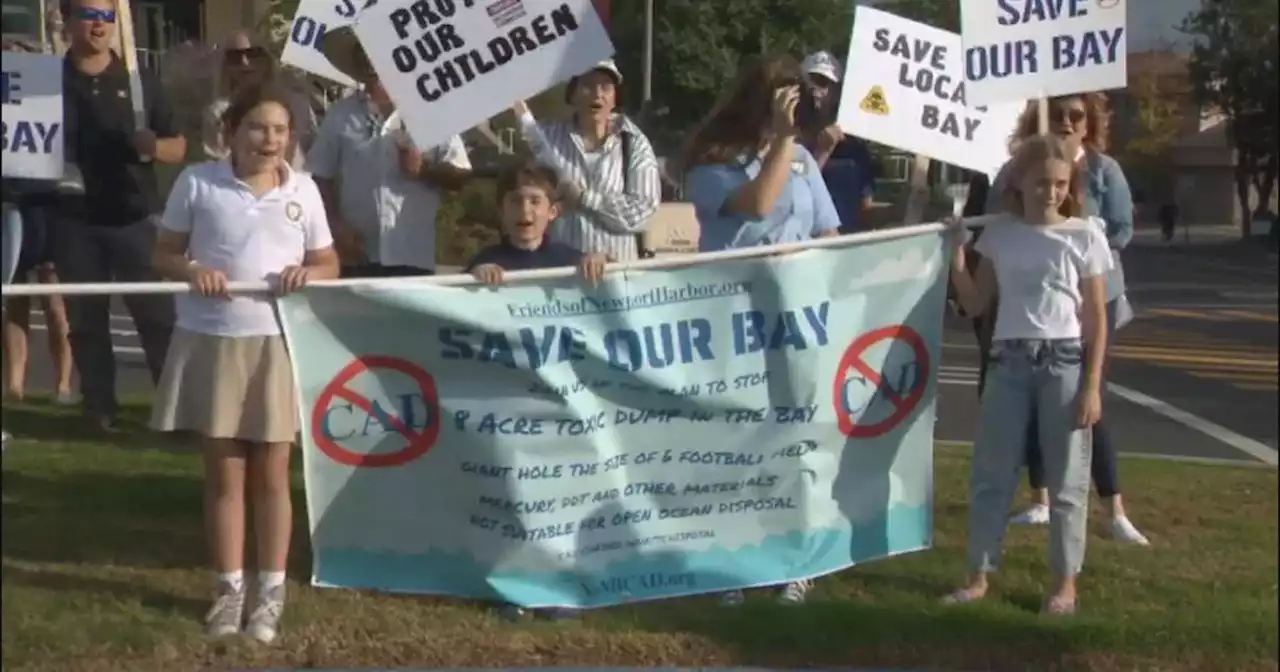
{"x": 227, "y": 387}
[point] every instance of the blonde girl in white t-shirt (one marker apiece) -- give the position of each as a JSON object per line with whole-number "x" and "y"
{"x": 1049, "y": 266}
{"x": 248, "y": 217}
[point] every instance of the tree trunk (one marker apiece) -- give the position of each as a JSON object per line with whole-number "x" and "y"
{"x": 1264, "y": 181}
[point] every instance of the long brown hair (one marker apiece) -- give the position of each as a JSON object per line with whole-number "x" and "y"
{"x": 1097, "y": 113}
{"x": 738, "y": 122}
{"x": 1032, "y": 153}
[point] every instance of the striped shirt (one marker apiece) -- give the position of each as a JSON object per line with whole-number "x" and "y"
{"x": 608, "y": 217}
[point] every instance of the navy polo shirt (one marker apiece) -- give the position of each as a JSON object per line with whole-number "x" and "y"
{"x": 850, "y": 177}
{"x": 120, "y": 188}
{"x": 511, "y": 258}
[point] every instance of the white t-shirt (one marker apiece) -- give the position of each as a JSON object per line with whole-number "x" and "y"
{"x": 1038, "y": 271}
{"x": 247, "y": 237}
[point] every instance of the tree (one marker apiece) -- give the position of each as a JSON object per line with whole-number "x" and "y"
{"x": 944, "y": 14}
{"x": 1156, "y": 108}
{"x": 698, "y": 45}
{"x": 1233, "y": 70}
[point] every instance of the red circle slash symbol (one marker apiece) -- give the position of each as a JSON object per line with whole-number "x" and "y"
{"x": 418, "y": 443}
{"x": 903, "y": 404}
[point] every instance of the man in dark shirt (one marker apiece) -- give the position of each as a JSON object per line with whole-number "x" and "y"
{"x": 107, "y": 233}
{"x": 848, "y": 168}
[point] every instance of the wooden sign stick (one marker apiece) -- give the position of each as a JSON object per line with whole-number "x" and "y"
{"x": 129, "y": 53}
{"x": 918, "y": 191}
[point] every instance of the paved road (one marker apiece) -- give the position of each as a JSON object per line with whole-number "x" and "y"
{"x": 1194, "y": 376}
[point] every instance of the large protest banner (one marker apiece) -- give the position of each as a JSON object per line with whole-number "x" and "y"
{"x": 1021, "y": 49}
{"x": 739, "y": 423}
{"x": 31, "y": 143}
{"x": 313, "y": 19}
{"x": 450, "y": 64}
{"x": 907, "y": 90}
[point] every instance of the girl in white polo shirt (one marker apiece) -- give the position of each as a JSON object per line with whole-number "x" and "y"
{"x": 248, "y": 217}
{"x": 1048, "y": 267}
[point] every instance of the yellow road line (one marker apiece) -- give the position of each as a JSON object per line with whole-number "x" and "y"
{"x": 1252, "y": 315}
{"x": 1165, "y": 356}
{"x": 1260, "y": 377}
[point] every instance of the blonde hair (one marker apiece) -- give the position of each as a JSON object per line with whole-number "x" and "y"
{"x": 1031, "y": 155}
{"x": 1097, "y": 112}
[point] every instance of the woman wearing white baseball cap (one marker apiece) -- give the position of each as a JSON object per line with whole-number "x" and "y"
{"x": 608, "y": 169}
{"x": 847, "y": 165}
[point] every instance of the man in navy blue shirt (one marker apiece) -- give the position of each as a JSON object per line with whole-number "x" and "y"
{"x": 528, "y": 197}
{"x": 847, "y": 165}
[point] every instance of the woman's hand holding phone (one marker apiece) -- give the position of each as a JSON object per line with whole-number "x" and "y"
{"x": 785, "y": 101}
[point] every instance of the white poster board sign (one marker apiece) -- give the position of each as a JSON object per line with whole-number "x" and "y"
{"x": 1020, "y": 49}
{"x": 451, "y": 64}
{"x": 906, "y": 89}
{"x": 313, "y": 19}
{"x": 31, "y": 130}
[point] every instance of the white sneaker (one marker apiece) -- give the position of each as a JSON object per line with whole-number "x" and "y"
{"x": 5, "y": 437}
{"x": 733, "y": 598}
{"x": 794, "y": 592}
{"x": 65, "y": 399}
{"x": 264, "y": 622}
{"x": 1123, "y": 530}
{"x": 1037, "y": 514}
{"x": 227, "y": 613}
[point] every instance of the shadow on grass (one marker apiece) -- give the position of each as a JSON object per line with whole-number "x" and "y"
{"x": 117, "y": 590}
{"x": 41, "y": 421}
{"x": 995, "y": 636}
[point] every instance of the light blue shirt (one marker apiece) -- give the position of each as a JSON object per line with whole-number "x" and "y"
{"x": 803, "y": 210}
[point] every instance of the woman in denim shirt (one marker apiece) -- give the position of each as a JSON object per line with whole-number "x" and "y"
{"x": 753, "y": 184}
{"x": 1084, "y": 121}
{"x": 750, "y": 179}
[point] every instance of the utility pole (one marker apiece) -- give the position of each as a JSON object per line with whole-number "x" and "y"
{"x": 647, "y": 79}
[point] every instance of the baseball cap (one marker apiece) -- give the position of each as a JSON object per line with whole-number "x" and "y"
{"x": 610, "y": 67}
{"x": 822, "y": 64}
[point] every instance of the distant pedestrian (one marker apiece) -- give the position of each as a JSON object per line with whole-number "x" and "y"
{"x": 249, "y": 217}
{"x": 106, "y": 234}
{"x": 1168, "y": 221}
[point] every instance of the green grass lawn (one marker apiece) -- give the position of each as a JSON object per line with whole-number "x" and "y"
{"x": 103, "y": 570}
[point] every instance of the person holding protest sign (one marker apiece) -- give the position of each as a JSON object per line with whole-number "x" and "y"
{"x": 246, "y": 63}
{"x": 382, "y": 193}
{"x": 608, "y": 170}
{"x": 1048, "y": 266}
{"x": 846, "y": 162}
{"x": 1083, "y": 122}
{"x": 27, "y": 250}
{"x": 753, "y": 183}
{"x": 107, "y": 232}
{"x": 249, "y": 217}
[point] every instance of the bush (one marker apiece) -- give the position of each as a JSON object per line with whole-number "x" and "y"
{"x": 467, "y": 222}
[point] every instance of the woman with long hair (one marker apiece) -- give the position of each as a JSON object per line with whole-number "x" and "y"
{"x": 753, "y": 183}
{"x": 751, "y": 180}
{"x": 1083, "y": 121}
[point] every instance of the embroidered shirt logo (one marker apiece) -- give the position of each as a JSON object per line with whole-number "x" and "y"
{"x": 293, "y": 211}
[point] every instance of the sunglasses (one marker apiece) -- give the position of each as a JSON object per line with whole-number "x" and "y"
{"x": 91, "y": 14}
{"x": 1074, "y": 115}
{"x": 245, "y": 55}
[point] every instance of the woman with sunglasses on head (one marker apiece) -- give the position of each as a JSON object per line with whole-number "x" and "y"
{"x": 753, "y": 183}
{"x": 1083, "y": 121}
{"x": 244, "y": 65}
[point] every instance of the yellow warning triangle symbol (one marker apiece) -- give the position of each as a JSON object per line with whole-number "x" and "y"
{"x": 874, "y": 102}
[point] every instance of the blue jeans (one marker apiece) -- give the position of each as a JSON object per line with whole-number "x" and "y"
{"x": 1031, "y": 380}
